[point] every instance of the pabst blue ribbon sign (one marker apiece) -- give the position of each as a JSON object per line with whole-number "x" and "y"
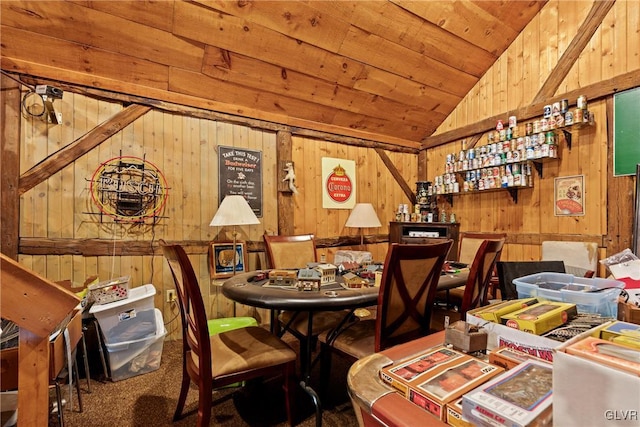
{"x": 339, "y": 183}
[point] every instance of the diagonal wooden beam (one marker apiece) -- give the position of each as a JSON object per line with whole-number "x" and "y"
{"x": 588, "y": 28}
{"x": 396, "y": 174}
{"x": 79, "y": 147}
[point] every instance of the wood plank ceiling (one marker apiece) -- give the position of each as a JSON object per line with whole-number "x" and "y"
{"x": 388, "y": 71}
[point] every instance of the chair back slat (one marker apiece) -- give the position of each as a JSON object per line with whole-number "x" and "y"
{"x": 192, "y": 310}
{"x": 470, "y": 242}
{"x": 290, "y": 251}
{"x": 409, "y": 281}
{"x": 480, "y": 273}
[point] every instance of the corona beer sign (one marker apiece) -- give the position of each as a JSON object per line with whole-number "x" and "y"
{"x": 339, "y": 189}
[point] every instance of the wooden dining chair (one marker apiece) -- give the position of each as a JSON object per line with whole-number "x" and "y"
{"x": 213, "y": 361}
{"x": 288, "y": 252}
{"x": 470, "y": 242}
{"x": 409, "y": 281}
{"x": 475, "y": 291}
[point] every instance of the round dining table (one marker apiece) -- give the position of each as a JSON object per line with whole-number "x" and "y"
{"x": 253, "y": 289}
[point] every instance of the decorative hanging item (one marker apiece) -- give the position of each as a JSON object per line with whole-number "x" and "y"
{"x": 129, "y": 189}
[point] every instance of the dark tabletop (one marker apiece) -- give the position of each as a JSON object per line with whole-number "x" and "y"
{"x": 245, "y": 289}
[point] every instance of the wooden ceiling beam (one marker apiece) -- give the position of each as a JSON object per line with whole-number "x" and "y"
{"x": 329, "y": 134}
{"x": 79, "y": 147}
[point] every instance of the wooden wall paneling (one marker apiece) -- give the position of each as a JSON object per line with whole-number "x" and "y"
{"x": 552, "y": 32}
{"x": 377, "y": 189}
{"x": 209, "y": 181}
{"x": 500, "y": 83}
{"x": 632, "y": 15}
{"x": 567, "y": 58}
{"x": 335, "y": 225}
{"x": 78, "y": 270}
{"x": 82, "y": 172}
{"x": 313, "y": 215}
{"x": 54, "y": 190}
{"x": 102, "y": 153}
{"x": 10, "y": 147}
{"x": 515, "y": 69}
{"x": 594, "y": 168}
{"x": 328, "y": 223}
{"x": 173, "y": 142}
{"x": 27, "y": 146}
{"x": 221, "y": 306}
{"x": 548, "y": 17}
{"x": 269, "y": 144}
{"x": 531, "y": 58}
{"x": 279, "y": 219}
{"x": 192, "y": 181}
{"x": 67, "y": 178}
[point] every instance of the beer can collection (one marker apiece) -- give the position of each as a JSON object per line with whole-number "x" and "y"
{"x": 504, "y": 160}
{"x": 582, "y": 102}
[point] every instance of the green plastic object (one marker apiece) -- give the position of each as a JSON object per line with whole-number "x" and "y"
{"x": 229, "y": 323}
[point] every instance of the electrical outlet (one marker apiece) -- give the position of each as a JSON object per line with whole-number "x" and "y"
{"x": 171, "y": 295}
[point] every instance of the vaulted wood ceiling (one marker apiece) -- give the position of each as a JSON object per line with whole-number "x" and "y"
{"x": 388, "y": 70}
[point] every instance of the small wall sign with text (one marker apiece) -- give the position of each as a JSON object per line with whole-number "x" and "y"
{"x": 240, "y": 173}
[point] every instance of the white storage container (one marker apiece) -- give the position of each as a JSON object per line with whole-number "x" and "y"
{"x": 130, "y": 358}
{"x": 564, "y": 287}
{"x": 128, "y": 319}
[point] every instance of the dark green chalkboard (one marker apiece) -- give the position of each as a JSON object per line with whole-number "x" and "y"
{"x": 626, "y": 132}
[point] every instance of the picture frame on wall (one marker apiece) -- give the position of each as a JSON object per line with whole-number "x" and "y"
{"x": 569, "y": 196}
{"x": 221, "y": 259}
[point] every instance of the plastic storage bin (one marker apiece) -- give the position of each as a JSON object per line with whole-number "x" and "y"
{"x": 128, "y": 319}
{"x": 130, "y": 358}
{"x": 564, "y": 287}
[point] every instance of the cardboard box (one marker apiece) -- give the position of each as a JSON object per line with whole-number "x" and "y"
{"x": 400, "y": 374}
{"x": 520, "y": 397}
{"x": 607, "y": 353}
{"x": 454, "y": 415}
{"x": 619, "y": 329}
{"x": 443, "y": 378}
{"x": 508, "y": 358}
{"x": 502, "y": 336}
{"x": 465, "y": 337}
{"x": 494, "y": 312}
{"x": 541, "y": 317}
{"x": 614, "y": 403}
{"x": 628, "y": 312}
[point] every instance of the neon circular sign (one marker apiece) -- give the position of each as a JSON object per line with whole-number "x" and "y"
{"x": 129, "y": 189}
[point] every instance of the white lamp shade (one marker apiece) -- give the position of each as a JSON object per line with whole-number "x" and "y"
{"x": 234, "y": 210}
{"x": 363, "y": 216}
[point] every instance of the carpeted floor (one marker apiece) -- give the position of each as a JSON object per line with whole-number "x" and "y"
{"x": 150, "y": 400}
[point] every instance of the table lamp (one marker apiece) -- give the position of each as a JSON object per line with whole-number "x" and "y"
{"x": 363, "y": 216}
{"x": 234, "y": 210}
